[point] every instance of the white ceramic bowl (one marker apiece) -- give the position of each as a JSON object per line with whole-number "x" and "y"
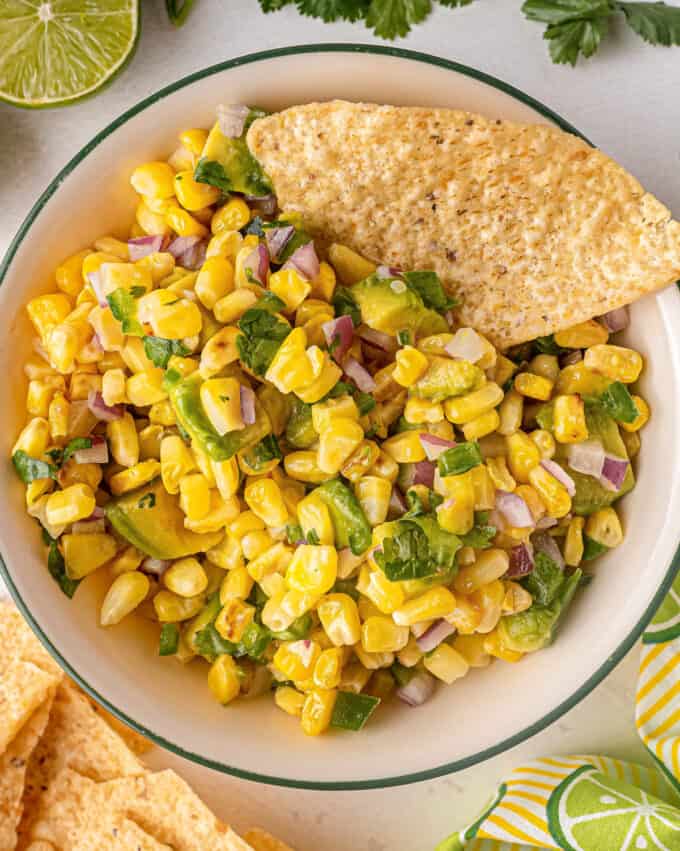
{"x": 489, "y": 710}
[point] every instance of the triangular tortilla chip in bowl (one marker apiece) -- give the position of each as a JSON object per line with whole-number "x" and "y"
{"x": 531, "y": 227}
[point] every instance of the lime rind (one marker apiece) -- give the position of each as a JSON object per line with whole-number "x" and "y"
{"x": 57, "y": 52}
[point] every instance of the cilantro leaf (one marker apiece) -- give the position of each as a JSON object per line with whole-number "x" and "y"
{"x": 334, "y": 10}
{"x": 345, "y": 305}
{"x": 392, "y": 18}
{"x": 271, "y": 302}
{"x": 570, "y": 40}
{"x": 169, "y": 639}
{"x": 263, "y": 452}
{"x": 159, "y": 350}
{"x": 30, "y": 469}
{"x": 430, "y": 289}
{"x": 618, "y": 403}
{"x": 210, "y": 644}
{"x": 417, "y": 548}
{"x": 547, "y": 345}
{"x": 555, "y": 12}
{"x": 260, "y": 338}
{"x": 273, "y": 5}
{"x": 124, "y": 308}
{"x": 482, "y": 533}
{"x": 656, "y": 23}
{"x": 74, "y": 445}
{"x": 57, "y": 569}
{"x": 545, "y": 580}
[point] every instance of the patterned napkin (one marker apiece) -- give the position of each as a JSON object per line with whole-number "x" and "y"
{"x": 596, "y": 803}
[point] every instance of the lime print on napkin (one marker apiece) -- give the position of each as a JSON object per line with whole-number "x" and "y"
{"x": 596, "y": 803}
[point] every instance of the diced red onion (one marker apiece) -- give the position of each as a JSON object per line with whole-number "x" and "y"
{"x": 248, "y": 414}
{"x": 182, "y": 244}
{"x": 613, "y": 472}
{"x": 383, "y": 272}
{"x": 304, "y": 261}
{"x": 497, "y": 520}
{"x": 417, "y": 690}
{"x": 265, "y": 204}
{"x": 154, "y": 566}
{"x": 545, "y": 543}
{"x": 107, "y": 413}
{"x": 339, "y": 334}
{"x": 434, "y": 635}
{"x": 359, "y": 375}
{"x": 546, "y": 522}
{"x": 424, "y": 473}
{"x": 377, "y": 338}
{"x": 586, "y": 457}
{"x": 397, "y": 505}
{"x": 514, "y": 509}
{"x": 232, "y": 119}
{"x": 277, "y": 239}
{"x": 258, "y": 263}
{"x": 466, "y": 345}
{"x": 97, "y": 287}
{"x": 616, "y": 320}
{"x": 434, "y": 446}
{"x": 521, "y": 561}
{"x": 98, "y": 453}
{"x": 142, "y": 246}
{"x": 195, "y": 256}
{"x": 88, "y": 527}
{"x": 576, "y": 356}
{"x": 561, "y": 475}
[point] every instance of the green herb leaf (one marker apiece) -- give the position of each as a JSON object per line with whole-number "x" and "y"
{"x": 30, "y": 469}
{"x": 260, "y": 338}
{"x": 294, "y": 533}
{"x": 178, "y": 10}
{"x": 147, "y": 501}
{"x": 346, "y": 586}
{"x": 459, "y": 459}
{"x": 313, "y": 538}
{"x": 404, "y": 338}
{"x": 482, "y": 533}
{"x": 365, "y": 402}
{"x": 57, "y": 570}
{"x": 575, "y": 38}
{"x": 159, "y": 350}
{"x": 345, "y": 305}
{"x": 274, "y": 5}
{"x": 656, "y": 23}
{"x": 169, "y": 639}
{"x": 123, "y": 305}
{"x": 352, "y": 711}
{"x": 545, "y": 580}
{"x": 430, "y": 289}
{"x": 271, "y": 302}
{"x": 210, "y": 644}
{"x": 391, "y": 18}
{"x": 74, "y": 445}
{"x": 263, "y": 452}
{"x": 333, "y": 10}
{"x": 564, "y": 11}
{"x": 547, "y": 345}
{"x": 298, "y": 630}
{"x": 417, "y": 548}
{"x": 618, "y": 403}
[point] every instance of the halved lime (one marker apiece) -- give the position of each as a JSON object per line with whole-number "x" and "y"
{"x": 665, "y": 625}
{"x": 590, "y": 812}
{"x": 56, "y": 52}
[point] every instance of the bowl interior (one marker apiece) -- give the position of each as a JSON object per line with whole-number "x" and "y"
{"x": 488, "y": 710}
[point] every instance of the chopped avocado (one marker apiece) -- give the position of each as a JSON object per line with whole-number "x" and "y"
{"x": 445, "y": 377}
{"x": 185, "y": 396}
{"x": 151, "y": 520}
{"x": 535, "y": 628}
{"x": 228, "y": 164}
{"x": 352, "y": 529}
{"x": 390, "y": 306}
{"x": 300, "y": 431}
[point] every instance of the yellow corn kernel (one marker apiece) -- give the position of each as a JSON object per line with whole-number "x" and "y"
{"x": 385, "y": 595}
{"x": 223, "y": 679}
{"x": 247, "y": 521}
{"x": 569, "y": 419}
{"x": 314, "y": 517}
{"x": 193, "y": 140}
{"x": 337, "y": 443}
{"x": 361, "y": 460}
{"x": 576, "y": 378}
{"x": 119, "y": 275}
{"x": 150, "y": 442}
{"x": 410, "y": 654}
{"x": 317, "y": 711}
{"x": 499, "y": 473}
{"x": 323, "y": 285}
{"x": 231, "y": 307}
{"x": 129, "y": 559}
{"x": 194, "y": 498}
{"x": 185, "y": 366}
{"x": 411, "y": 365}
{"x": 313, "y": 308}
{"x": 73, "y": 473}
{"x": 329, "y": 376}
{"x": 296, "y": 659}
{"x": 290, "y": 368}
{"x": 145, "y": 388}
{"x": 169, "y": 316}
{"x": 227, "y": 477}
{"x": 604, "y": 527}
{"x": 489, "y": 565}
{"x": 380, "y": 634}
{"x": 494, "y": 646}
{"x": 69, "y": 275}
{"x": 546, "y": 365}
{"x": 273, "y": 560}
{"x": 192, "y": 195}
{"x": 123, "y": 440}
{"x": 82, "y": 384}
{"x": 405, "y": 448}
{"x": 463, "y": 409}
{"x": 226, "y": 554}
{"x": 41, "y": 392}
{"x": 221, "y": 400}
{"x": 517, "y": 599}
{"x": 176, "y": 461}
{"x": 234, "y": 618}
{"x": 46, "y": 312}
{"x": 349, "y": 266}
{"x": 226, "y": 243}
{"x": 374, "y": 493}
{"x": 238, "y": 583}
{"x": 533, "y": 386}
{"x": 171, "y": 608}
{"x": 446, "y": 664}
{"x": 313, "y": 569}
{"x": 255, "y": 543}
{"x": 160, "y": 264}
{"x": 573, "y": 542}
{"x": 354, "y": 678}
{"x": 290, "y": 700}
{"x": 36, "y": 489}
{"x": 385, "y": 467}
{"x": 134, "y": 355}
{"x": 84, "y": 553}
{"x": 58, "y": 416}
{"x": 219, "y": 352}
{"x": 533, "y": 500}
{"x": 467, "y": 616}
{"x": 162, "y": 413}
{"x": 303, "y": 467}
{"x": 74, "y": 503}
{"x": 373, "y": 661}
{"x": 93, "y": 263}
{"x": 544, "y": 441}
{"x": 423, "y": 411}
{"x": 183, "y": 223}
{"x": 583, "y": 335}
{"x": 471, "y": 648}
{"x": 203, "y": 462}
{"x": 134, "y": 477}
{"x": 483, "y": 488}
{"x": 456, "y": 513}
{"x": 233, "y": 216}
{"x": 510, "y": 412}
{"x": 214, "y": 281}
{"x": 616, "y": 362}
{"x": 111, "y": 245}
{"x": 489, "y": 601}
{"x": 264, "y": 498}
{"x": 325, "y": 414}
{"x": 339, "y": 617}
{"x": 482, "y": 425}
{"x": 127, "y": 591}
{"x": 290, "y": 287}
{"x": 154, "y": 180}
{"x": 554, "y": 495}
{"x": 523, "y": 455}
{"x": 113, "y": 387}
{"x": 435, "y": 603}
{"x": 328, "y": 668}
{"x": 222, "y": 511}
{"x": 186, "y": 578}
{"x": 642, "y": 417}
{"x": 64, "y": 342}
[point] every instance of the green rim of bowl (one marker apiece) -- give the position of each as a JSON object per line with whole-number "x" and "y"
{"x": 347, "y": 785}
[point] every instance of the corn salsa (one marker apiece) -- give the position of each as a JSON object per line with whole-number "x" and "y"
{"x": 298, "y": 464}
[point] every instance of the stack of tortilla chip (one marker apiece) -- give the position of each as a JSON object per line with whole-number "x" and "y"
{"x": 70, "y": 774}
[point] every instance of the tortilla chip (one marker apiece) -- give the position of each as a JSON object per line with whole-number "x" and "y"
{"x": 13, "y": 765}
{"x": 529, "y": 226}
{"x": 161, "y": 804}
{"x": 28, "y": 674}
{"x": 263, "y": 841}
{"x": 115, "y": 834}
{"x": 137, "y": 743}
{"x": 77, "y": 738}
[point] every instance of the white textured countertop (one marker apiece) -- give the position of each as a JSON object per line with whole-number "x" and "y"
{"x": 625, "y": 100}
